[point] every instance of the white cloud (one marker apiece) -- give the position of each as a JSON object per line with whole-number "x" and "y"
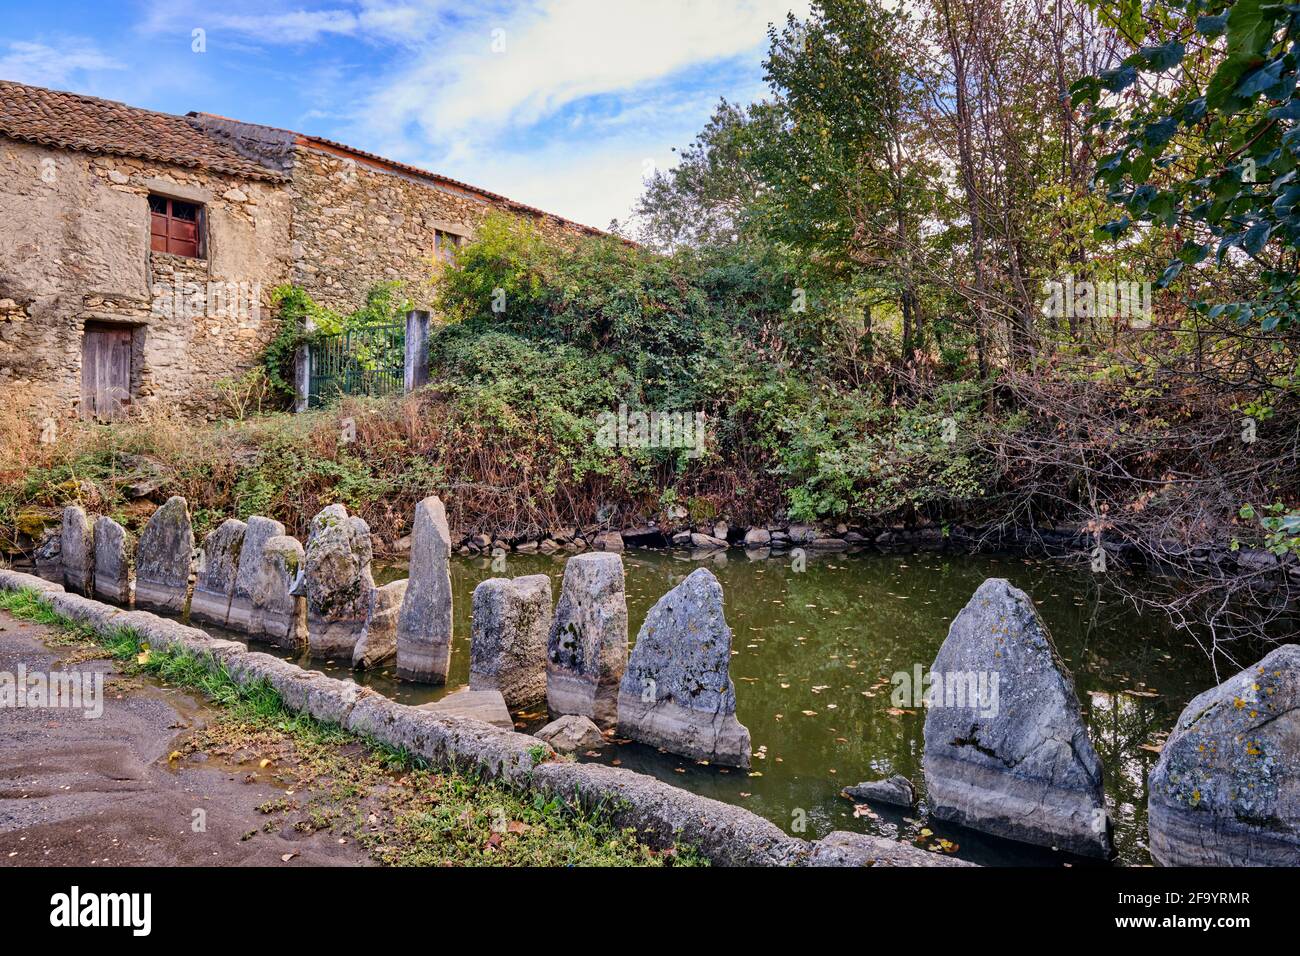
{"x": 40, "y": 64}
{"x": 556, "y": 52}
{"x": 618, "y": 67}
{"x": 276, "y": 23}
{"x": 589, "y": 185}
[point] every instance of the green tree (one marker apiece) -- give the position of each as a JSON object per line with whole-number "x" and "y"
{"x": 847, "y": 180}
{"x": 1206, "y": 112}
{"x": 706, "y": 198}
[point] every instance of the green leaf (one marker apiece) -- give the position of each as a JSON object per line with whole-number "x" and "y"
{"x": 1159, "y": 133}
{"x": 1212, "y": 26}
{"x": 1161, "y": 58}
{"x": 1118, "y": 80}
{"x": 1219, "y": 91}
{"x": 1255, "y": 237}
{"x": 1250, "y": 27}
{"x": 1262, "y": 79}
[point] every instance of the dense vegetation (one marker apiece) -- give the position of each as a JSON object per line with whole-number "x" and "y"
{"x": 1008, "y": 262}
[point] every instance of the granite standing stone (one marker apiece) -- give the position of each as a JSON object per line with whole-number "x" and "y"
{"x": 163, "y": 559}
{"x": 677, "y": 692}
{"x": 1013, "y": 759}
{"x": 112, "y": 562}
{"x": 338, "y": 583}
{"x": 49, "y": 556}
{"x": 278, "y": 616}
{"x": 378, "y": 642}
{"x": 214, "y": 586}
{"x": 78, "y": 541}
{"x": 1226, "y": 790}
{"x": 259, "y": 531}
{"x": 507, "y": 650}
{"x": 424, "y": 625}
{"x": 586, "y": 650}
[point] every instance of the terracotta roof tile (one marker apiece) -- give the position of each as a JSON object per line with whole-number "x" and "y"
{"x": 92, "y": 125}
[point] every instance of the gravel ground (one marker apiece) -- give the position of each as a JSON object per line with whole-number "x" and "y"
{"x": 102, "y": 792}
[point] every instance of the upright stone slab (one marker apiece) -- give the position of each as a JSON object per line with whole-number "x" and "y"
{"x": 49, "y": 556}
{"x": 378, "y": 642}
{"x": 677, "y": 692}
{"x": 258, "y": 532}
{"x": 507, "y": 648}
{"x": 278, "y": 616}
{"x": 1006, "y": 750}
{"x": 338, "y": 583}
{"x": 112, "y": 562}
{"x": 424, "y": 626}
{"x": 586, "y": 650}
{"x": 1226, "y": 790}
{"x": 214, "y": 586}
{"x": 163, "y": 558}
{"x": 78, "y": 541}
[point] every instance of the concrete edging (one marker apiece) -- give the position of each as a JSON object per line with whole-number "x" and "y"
{"x": 662, "y": 814}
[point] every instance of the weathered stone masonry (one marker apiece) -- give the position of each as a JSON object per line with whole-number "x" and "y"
{"x": 76, "y": 176}
{"x": 74, "y": 248}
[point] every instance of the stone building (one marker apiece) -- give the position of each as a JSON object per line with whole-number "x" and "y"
{"x": 139, "y": 250}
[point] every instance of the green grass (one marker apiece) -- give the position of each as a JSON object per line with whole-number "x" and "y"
{"x": 403, "y": 811}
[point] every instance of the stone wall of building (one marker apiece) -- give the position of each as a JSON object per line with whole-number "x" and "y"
{"x": 74, "y": 247}
{"x": 358, "y": 223}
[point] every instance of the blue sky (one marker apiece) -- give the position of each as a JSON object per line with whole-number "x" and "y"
{"x": 564, "y": 104}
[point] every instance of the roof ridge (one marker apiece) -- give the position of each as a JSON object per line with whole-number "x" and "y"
{"x": 94, "y": 137}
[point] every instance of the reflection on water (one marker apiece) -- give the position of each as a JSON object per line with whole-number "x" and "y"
{"x": 813, "y": 653}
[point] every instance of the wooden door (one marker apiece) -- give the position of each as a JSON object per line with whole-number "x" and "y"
{"x": 105, "y": 371}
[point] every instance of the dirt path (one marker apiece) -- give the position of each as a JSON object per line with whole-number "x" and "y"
{"x": 77, "y": 791}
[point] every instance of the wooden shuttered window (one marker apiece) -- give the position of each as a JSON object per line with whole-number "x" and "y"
{"x": 175, "y": 226}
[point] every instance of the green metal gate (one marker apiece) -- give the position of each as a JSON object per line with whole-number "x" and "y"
{"x": 369, "y": 360}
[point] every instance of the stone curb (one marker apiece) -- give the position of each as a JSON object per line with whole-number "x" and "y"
{"x": 663, "y": 814}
